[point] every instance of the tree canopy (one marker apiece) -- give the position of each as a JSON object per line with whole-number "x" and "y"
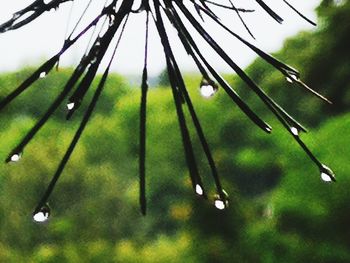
{"x": 280, "y": 211}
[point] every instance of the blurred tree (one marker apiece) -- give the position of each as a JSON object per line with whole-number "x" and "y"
{"x": 277, "y": 213}
{"x": 163, "y": 78}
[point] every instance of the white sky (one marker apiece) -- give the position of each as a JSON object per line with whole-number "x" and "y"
{"x": 44, "y": 37}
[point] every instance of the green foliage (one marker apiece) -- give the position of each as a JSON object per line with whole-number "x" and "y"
{"x": 280, "y": 211}
{"x": 163, "y": 79}
{"x": 306, "y": 219}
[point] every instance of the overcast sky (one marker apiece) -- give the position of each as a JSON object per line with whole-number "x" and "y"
{"x": 42, "y": 39}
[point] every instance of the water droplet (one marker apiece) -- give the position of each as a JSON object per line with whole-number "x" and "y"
{"x": 46, "y": 2}
{"x": 16, "y": 157}
{"x": 327, "y": 175}
{"x": 93, "y": 61}
{"x": 207, "y": 90}
{"x": 221, "y": 203}
{"x": 70, "y": 106}
{"x": 16, "y": 16}
{"x": 42, "y": 75}
{"x": 111, "y": 20}
{"x": 291, "y": 78}
{"x": 42, "y": 215}
{"x": 295, "y": 131}
{"x": 199, "y": 189}
{"x": 268, "y": 129}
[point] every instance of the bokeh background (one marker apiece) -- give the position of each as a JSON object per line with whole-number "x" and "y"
{"x": 280, "y": 210}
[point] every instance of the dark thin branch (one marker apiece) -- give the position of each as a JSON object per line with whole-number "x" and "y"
{"x": 300, "y": 14}
{"x": 270, "y": 11}
{"x": 189, "y": 154}
{"x": 121, "y": 15}
{"x": 29, "y": 14}
{"x": 143, "y": 117}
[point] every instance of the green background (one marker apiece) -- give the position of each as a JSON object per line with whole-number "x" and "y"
{"x": 280, "y": 210}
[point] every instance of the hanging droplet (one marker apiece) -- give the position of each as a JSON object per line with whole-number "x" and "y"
{"x": 93, "y": 61}
{"x": 291, "y": 78}
{"x": 327, "y": 175}
{"x": 221, "y": 203}
{"x": 16, "y": 16}
{"x": 42, "y": 75}
{"x": 70, "y": 106}
{"x": 111, "y": 20}
{"x": 16, "y": 157}
{"x": 208, "y": 88}
{"x": 295, "y": 131}
{"x": 42, "y": 215}
{"x": 269, "y": 129}
{"x": 199, "y": 190}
